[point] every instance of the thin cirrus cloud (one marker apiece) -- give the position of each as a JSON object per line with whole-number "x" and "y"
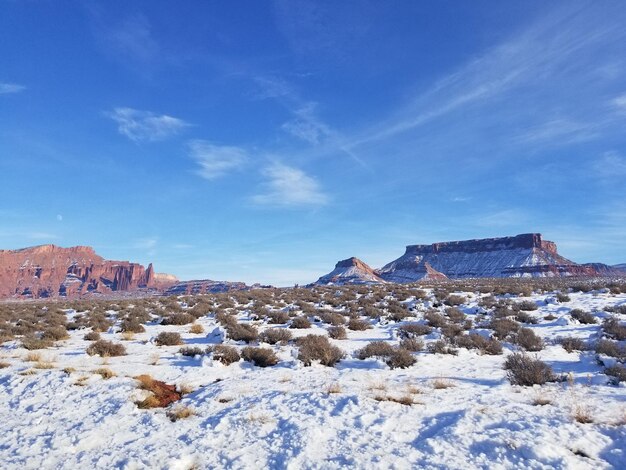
{"x": 140, "y": 125}
{"x": 8, "y": 88}
{"x": 216, "y": 160}
{"x": 288, "y": 186}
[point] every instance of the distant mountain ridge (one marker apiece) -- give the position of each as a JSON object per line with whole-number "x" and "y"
{"x": 524, "y": 255}
{"x": 351, "y": 271}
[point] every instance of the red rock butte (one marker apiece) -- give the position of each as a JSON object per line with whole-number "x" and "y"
{"x": 52, "y": 271}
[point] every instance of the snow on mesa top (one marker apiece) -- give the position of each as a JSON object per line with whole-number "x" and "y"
{"x": 525, "y": 255}
{"x": 350, "y": 271}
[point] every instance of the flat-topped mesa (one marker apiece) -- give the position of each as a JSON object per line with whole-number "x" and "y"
{"x": 51, "y": 271}
{"x": 526, "y": 255}
{"x": 523, "y": 241}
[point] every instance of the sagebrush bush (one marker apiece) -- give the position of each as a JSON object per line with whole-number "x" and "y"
{"x": 400, "y": 359}
{"x": 527, "y": 305}
{"x": 524, "y": 370}
{"x": 358, "y": 324}
{"x": 562, "y": 298}
{"x": 503, "y": 327}
{"x": 275, "y": 335}
{"x": 489, "y": 346}
{"x": 618, "y": 371}
{"x": 318, "y": 348}
{"x": 105, "y": 348}
{"x": 191, "y": 351}
{"x": 32, "y": 342}
{"x": 610, "y": 348}
{"x": 196, "y": 329}
{"x": 375, "y": 349}
{"x": 227, "y": 355}
{"x": 131, "y": 325}
{"x": 583, "y": 317}
{"x": 524, "y": 317}
{"x": 277, "y": 317}
{"x": 413, "y": 330}
{"x": 332, "y": 318}
{"x": 261, "y": 357}
{"x": 337, "y": 332}
{"x": 527, "y": 339}
{"x": 55, "y": 333}
{"x": 455, "y": 315}
{"x": 92, "y": 336}
{"x": 300, "y": 323}
{"x": 412, "y": 344}
{"x": 436, "y": 320}
{"x": 166, "y": 338}
{"x": 613, "y": 328}
{"x": 242, "y": 332}
{"x": 454, "y": 300}
{"x": 181, "y": 318}
{"x": 442, "y": 347}
{"x": 573, "y": 344}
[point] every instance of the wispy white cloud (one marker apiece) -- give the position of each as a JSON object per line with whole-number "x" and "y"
{"x": 7, "y": 88}
{"x": 216, "y": 160}
{"x": 610, "y": 165}
{"x": 619, "y": 102}
{"x": 140, "y": 125}
{"x": 288, "y": 186}
{"x": 561, "y": 131}
{"x": 148, "y": 244}
{"x": 307, "y": 126}
{"x": 42, "y": 236}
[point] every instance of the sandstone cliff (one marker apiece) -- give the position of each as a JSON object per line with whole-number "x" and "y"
{"x": 52, "y": 271}
{"x": 350, "y": 271}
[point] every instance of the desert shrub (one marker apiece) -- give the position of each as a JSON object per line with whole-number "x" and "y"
{"x": 451, "y": 330}
{"x": 371, "y": 311}
{"x": 503, "y": 327}
{"x": 435, "y": 319}
{"x": 200, "y": 310}
{"x": 527, "y": 305}
{"x": 318, "y": 348}
{"x": 610, "y": 348}
{"x": 413, "y": 330}
{"x": 191, "y": 351}
{"x": 583, "y": 317}
{"x": 527, "y": 339}
{"x": 105, "y": 348}
{"x": 442, "y": 347}
{"x": 617, "y": 371}
{"x": 524, "y": 370}
{"x": 455, "y": 315}
{"x": 396, "y": 311}
{"x": 55, "y": 333}
{"x": 32, "y": 342}
{"x": 332, "y": 318}
{"x": 412, "y": 344}
{"x": 358, "y": 324}
{"x": 166, "y": 338}
{"x": 573, "y": 344}
{"x": 92, "y": 336}
{"x": 614, "y": 329}
{"x": 275, "y": 335}
{"x": 131, "y": 325}
{"x": 261, "y": 357}
{"x": 562, "y": 298}
{"x": 337, "y": 332}
{"x": 227, "y": 355}
{"x": 225, "y": 319}
{"x": 242, "y": 332}
{"x": 525, "y": 317}
{"x": 489, "y": 346}
{"x": 375, "y": 349}
{"x": 277, "y": 317}
{"x": 196, "y": 329}
{"x": 300, "y": 323}
{"x": 454, "y": 300}
{"x": 400, "y": 359}
{"x": 181, "y": 318}
{"x": 503, "y": 311}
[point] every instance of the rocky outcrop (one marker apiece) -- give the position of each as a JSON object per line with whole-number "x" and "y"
{"x": 204, "y": 286}
{"x": 52, "y": 271}
{"x": 526, "y": 255}
{"x": 350, "y": 271}
{"x": 620, "y": 267}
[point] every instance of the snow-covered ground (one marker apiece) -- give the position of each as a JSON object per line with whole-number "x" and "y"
{"x": 465, "y": 413}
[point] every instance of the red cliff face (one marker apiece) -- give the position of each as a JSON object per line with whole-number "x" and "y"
{"x": 52, "y": 271}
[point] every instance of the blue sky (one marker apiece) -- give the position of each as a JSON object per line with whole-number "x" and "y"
{"x": 264, "y": 141}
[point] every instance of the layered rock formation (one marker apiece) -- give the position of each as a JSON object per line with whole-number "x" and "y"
{"x": 350, "y": 271}
{"x": 51, "y": 271}
{"x": 526, "y": 255}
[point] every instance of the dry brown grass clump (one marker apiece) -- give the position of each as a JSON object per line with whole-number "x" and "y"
{"x": 180, "y": 412}
{"x": 406, "y": 400}
{"x": 196, "y": 329}
{"x": 318, "y": 348}
{"x": 105, "y": 348}
{"x": 105, "y": 373}
{"x": 92, "y": 336}
{"x": 182, "y": 318}
{"x": 300, "y": 323}
{"x": 191, "y": 351}
{"x": 413, "y": 330}
{"x": 358, "y": 324}
{"x": 161, "y": 394}
{"x": 441, "y": 383}
{"x": 527, "y": 339}
{"x": 166, "y": 338}
{"x": 241, "y": 332}
{"x": 261, "y": 357}
{"x": 32, "y": 343}
{"x": 337, "y": 332}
